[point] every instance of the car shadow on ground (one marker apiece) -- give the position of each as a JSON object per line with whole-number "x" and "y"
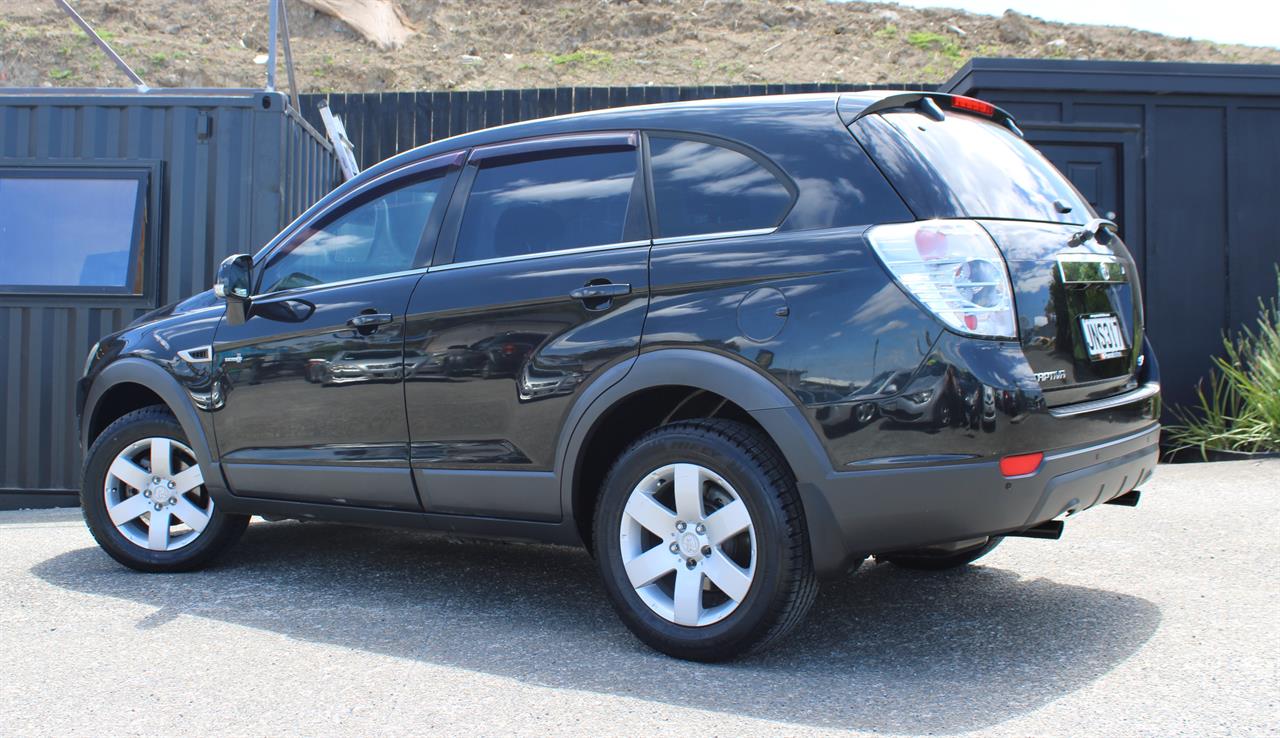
{"x": 885, "y": 649}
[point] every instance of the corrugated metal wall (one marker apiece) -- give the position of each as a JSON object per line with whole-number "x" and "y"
{"x": 229, "y": 192}
{"x": 381, "y": 124}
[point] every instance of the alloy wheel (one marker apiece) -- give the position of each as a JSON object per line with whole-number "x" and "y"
{"x": 155, "y": 494}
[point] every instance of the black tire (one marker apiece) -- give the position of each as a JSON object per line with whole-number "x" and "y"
{"x": 156, "y": 421}
{"x": 784, "y": 585}
{"x": 926, "y": 561}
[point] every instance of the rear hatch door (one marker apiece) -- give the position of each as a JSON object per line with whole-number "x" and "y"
{"x": 1078, "y": 301}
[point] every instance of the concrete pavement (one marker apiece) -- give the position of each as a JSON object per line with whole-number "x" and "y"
{"x": 1161, "y": 620}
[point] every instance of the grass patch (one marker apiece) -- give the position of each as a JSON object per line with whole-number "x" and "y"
{"x": 889, "y": 31}
{"x": 934, "y": 42}
{"x": 159, "y": 58}
{"x": 60, "y": 74}
{"x": 583, "y": 57}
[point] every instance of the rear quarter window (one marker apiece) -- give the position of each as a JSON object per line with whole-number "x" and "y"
{"x": 701, "y": 187}
{"x": 967, "y": 166}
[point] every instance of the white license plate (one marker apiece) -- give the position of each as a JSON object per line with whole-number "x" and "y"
{"x": 1102, "y": 336}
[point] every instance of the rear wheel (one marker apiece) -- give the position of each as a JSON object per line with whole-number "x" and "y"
{"x": 701, "y": 541}
{"x": 932, "y": 560}
{"x": 144, "y": 497}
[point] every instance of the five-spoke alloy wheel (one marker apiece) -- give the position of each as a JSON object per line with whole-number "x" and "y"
{"x": 701, "y": 540}
{"x": 145, "y": 500}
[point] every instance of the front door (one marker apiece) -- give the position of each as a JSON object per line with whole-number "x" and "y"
{"x": 540, "y": 285}
{"x": 312, "y": 381}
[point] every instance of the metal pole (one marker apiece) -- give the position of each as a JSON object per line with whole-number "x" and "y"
{"x": 106, "y": 48}
{"x": 273, "y": 32}
{"x": 288, "y": 56}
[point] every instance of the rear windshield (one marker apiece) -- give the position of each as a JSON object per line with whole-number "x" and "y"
{"x": 966, "y": 166}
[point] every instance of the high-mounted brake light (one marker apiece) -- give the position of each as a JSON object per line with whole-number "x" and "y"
{"x": 973, "y": 105}
{"x": 953, "y": 268}
{"x": 1021, "y": 465}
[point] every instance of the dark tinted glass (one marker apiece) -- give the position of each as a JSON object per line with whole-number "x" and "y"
{"x": 60, "y": 231}
{"x": 703, "y": 188}
{"x": 379, "y": 236}
{"x": 970, "y": 167}
{"x": 564, "y": 202}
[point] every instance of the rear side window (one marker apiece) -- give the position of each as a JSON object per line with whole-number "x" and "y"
{"x": 701, "y": 187}
{"x": 523, "y": 207}
{"x": 966, "y": 166}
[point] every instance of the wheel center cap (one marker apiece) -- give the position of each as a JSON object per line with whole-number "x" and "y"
{"x": 690, "y": 545}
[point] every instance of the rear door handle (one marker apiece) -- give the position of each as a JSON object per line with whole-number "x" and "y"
{"x": 598, "y": 291}
{"x": 370, "y": 320}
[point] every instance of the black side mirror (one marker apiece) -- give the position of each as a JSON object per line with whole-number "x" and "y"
{"x": 233, "y": 284}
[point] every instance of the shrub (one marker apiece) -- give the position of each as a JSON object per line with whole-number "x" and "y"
{"x": 1241, "y": 410}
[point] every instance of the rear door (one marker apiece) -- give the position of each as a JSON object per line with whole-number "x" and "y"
{"x": 540, "y": 285}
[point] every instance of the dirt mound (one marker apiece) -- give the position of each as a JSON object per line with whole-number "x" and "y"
{"x": 475, "y": 44}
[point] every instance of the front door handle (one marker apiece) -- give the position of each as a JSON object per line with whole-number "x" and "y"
{"x": 368, "y": 322}
{"x": 598, "y": 291}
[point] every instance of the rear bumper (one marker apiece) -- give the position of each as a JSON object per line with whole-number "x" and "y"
{"x": 855, "y": 514}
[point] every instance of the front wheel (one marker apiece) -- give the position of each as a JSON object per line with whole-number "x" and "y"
{"x": 144, "y": 498}
{"x": 701, "y": 541}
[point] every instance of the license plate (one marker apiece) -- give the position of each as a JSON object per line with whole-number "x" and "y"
{"x": 1102, "y": 336}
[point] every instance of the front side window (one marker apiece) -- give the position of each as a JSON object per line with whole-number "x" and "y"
{"x": 523, "y": 207}
{"x": 72, "y": 230}
{"x": 380, "y": 234}
{"x": 701, "y": 187}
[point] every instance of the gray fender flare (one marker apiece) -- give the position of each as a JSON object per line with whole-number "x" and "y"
{"x": 745, "y": 386}
{"x": 156, "y": 379}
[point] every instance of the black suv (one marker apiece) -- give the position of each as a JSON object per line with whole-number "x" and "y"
{"x": 732, "y": 347}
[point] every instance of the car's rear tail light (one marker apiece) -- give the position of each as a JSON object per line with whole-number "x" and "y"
{"x": 973, "y": 105}
{"x": 1021, "y": 465}
{"x": 954, "y": 269}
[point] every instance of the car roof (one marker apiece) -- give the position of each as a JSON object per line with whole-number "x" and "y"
{"x": 669, "y": 115}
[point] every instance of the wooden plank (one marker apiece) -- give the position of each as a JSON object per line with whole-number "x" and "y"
{"x": 492, "y": 109}
{"x": 422, "y": 119}
{"x": 439, "y": 115}
{"x": 406, "y": 121}
{"x": 457, "y": 113}
{"x": 563, "y": 100}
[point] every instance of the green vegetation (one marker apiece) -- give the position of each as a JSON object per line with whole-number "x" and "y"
{"x": 159, "y": 58}
{"x": 889, "y": 31}
{"x": 60, "y": 73}
{"x": 930, "y": 41}
{"x": 585, "y": 57}
{"x": 1241, "y": 410}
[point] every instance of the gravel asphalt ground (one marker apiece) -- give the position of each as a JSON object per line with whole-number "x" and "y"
{"x": 1159, "y": 621}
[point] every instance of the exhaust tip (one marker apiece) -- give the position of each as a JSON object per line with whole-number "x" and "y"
{"x": 1128, "y": 499}
{"x": 1050, "y": 530}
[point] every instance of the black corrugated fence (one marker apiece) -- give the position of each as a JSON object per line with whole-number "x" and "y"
{"x": 381, "y": 124}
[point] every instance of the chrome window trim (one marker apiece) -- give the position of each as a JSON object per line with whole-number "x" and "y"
{"x": 354, "y": 280}
{"x": 539, "y": 255}
{"x": 714, "y": 236}
{"x": 1145, "y": 392}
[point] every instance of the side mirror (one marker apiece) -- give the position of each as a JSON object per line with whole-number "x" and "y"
{"x": 234, "y": 281}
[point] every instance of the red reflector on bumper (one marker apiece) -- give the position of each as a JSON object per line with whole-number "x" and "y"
{"x": 1021, "y": 465}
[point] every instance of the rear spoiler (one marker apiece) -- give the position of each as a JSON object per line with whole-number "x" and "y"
{"x": 932, "y": 104}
